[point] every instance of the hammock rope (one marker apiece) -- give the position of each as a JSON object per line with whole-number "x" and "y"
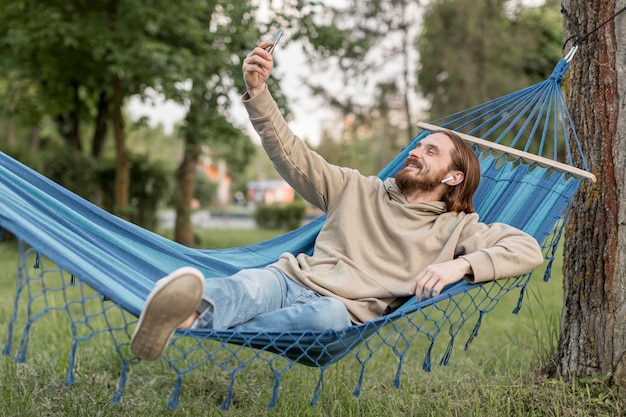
{"x": 102, "y": 268}
{"x": 580, "y": 38}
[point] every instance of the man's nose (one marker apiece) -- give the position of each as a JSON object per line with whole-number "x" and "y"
{"x": 415, "y": 153}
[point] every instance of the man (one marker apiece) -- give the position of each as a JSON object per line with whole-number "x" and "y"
{"x": 383, "y": 241}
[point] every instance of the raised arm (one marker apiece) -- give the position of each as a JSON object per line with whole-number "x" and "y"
{"x": 307, "y": 172}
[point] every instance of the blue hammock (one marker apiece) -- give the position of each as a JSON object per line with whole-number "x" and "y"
{"x": 103, "y": 267}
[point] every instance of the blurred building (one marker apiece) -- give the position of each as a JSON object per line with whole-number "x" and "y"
{"x": 269, "y": 192}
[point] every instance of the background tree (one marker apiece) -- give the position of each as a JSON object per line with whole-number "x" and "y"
{"x": 592, "y": 341}
{"x": 204, "y": 125}
{"x": 83, "y": 59}
{"x": 472, "y": 51}
{"x": 369, "y": 142}
{"x": 371, "y": 49}
{"x": 362, "y": 49}
{"x": 232, "y": 32}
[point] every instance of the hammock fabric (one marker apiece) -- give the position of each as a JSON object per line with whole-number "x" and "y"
{"x": 102, "y": 268}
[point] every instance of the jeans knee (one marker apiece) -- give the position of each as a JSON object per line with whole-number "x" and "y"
{"x": 334, "y": 312}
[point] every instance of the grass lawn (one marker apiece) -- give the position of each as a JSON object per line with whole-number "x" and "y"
{"x": 497, "y": 376}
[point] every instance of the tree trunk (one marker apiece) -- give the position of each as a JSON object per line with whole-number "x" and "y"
{"x": 185, "y": 181}
{"x": 405, "y": 49}
{"x": 11, "y": 135}
{"x": 102, "y": 120}
{"x": 593, "y": 327}
{"x": 122, "y": 181}
{"x": 35, "y": 138}
{"x": 68, "y": 123}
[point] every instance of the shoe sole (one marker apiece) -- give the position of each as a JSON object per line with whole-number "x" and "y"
{"x": 171, "y": 302}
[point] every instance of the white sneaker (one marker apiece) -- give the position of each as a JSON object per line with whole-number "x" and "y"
{"x": 171, "y": 302}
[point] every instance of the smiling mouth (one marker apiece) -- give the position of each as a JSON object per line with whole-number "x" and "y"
{"x": 413, "y": 163}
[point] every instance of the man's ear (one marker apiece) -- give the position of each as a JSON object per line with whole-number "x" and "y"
{"x": 457, "y": 178}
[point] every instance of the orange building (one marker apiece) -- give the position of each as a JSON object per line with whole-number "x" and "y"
{"x": 269, "y": 192}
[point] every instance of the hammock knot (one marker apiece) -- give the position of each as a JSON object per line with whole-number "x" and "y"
{"x": 559, "y": 71}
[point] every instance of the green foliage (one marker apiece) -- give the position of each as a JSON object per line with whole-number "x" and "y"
{"x": 205, "y": 189}
{"x": 354, "y": 36}
{"x": 222, "y": 139}
{"x": 154, "y": 143}
{"x": 473, "y": 51}
{"x": 67, "y": 54}
{"x": 150, "y": 187}
{"x": 539, "y": 31}
{"x": 53, "y": 56}
{"x": 73, "y": 170}
{"x": 75, "y": 64}
{"x": 276, "y": 216}
{"x": 363, "y": 51}
{"x": 214, "y": 78}
{"x": 371, "y": 140}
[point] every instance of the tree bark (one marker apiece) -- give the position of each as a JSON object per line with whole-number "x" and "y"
{"x": 68, "y": 123}
{"x": 35, "y": 138}
{"x": 100, "y": 131}
{"x": 593, "y": 326}
{"x": 185, "y": 181}
{"x": 11, "y": 135}
{"x": 406, "y": 73}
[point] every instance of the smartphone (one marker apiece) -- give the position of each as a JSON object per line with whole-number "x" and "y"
{"x": 276, "y": 38}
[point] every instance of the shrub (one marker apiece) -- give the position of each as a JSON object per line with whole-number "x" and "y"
{"x": 150, "y": 186}
{"x": 275, "y": 216}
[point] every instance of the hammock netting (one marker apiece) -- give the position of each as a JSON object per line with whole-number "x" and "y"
{"x": 99, "y": 269}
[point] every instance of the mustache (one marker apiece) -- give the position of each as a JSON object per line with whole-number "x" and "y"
{"x": 412, "y": 161}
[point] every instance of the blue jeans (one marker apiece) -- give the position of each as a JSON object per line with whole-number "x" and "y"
{"x": 267, "y": 299}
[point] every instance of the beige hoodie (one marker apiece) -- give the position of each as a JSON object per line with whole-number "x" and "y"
{"x": 374, "y": 243}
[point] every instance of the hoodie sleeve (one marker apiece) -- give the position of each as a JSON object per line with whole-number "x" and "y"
{"x": 307, "y": 172}
{"x": 498, "y": 251}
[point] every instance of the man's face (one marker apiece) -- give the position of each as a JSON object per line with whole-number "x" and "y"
{"x": 428, "y": 163}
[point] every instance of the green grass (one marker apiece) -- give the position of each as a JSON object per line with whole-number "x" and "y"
{"x": 497, "y": 376}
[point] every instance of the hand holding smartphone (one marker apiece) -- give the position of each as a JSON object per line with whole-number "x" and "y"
{"x": 276, "y": 38}
{"x": 257, "y": 70}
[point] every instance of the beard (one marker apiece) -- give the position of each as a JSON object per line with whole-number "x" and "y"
{"x": 408, "y": 180}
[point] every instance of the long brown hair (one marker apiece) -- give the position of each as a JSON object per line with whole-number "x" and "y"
{"x": 459, "y": 197}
